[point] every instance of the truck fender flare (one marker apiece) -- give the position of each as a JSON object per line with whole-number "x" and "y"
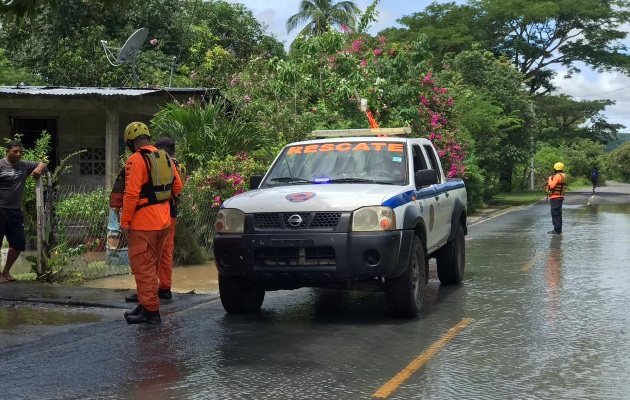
{"x": 459, "y": 217}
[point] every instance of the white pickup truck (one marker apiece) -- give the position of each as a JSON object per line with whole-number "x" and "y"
{"x": 361, "y": 209}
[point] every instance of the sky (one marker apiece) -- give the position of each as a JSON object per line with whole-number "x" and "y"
{"x": 588, "y": 85}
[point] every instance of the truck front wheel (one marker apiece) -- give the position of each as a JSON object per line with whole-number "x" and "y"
{"x": 405, "y": 294}
{"x": 451, "y": 259}
{"x": 239, "y": 295}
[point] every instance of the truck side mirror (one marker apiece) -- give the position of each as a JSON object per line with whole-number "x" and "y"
{"x": 254, "y": 181}
{"x": 426, "y": 177}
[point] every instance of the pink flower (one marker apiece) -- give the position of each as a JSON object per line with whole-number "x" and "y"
{"x": 377, "y": 52}
{"x": 382, "y": 39}
{"x": 247, "y": 99}
{"x": 153, "y": 42}
{"x": 363, "y": 63}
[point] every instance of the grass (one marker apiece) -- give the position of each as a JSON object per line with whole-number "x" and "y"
{"x": 517, "y": 198}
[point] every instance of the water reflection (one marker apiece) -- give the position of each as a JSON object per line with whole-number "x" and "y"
{"x": 553, "y": 274}
{"x": 16, "y": 316}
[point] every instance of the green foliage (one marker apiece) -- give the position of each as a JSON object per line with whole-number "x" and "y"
{"x": 207, "y": 188}
{"x": 56, "y": 263}
{"x": 535, "y": 35}
{"x": 619, "y": 163}
{"x": 207, "y": 131}
{"x": 90, "y": 208}
{"x": 562, "y": 119}
{"x": 320, "y": 15}
{"x": 12, "y": 76}
{"x": 62, "y": 44}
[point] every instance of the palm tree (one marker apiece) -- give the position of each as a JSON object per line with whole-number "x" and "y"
{"x": 319, "y": 15}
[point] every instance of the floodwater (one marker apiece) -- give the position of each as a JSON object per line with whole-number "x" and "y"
{"x": 200, "y": 278}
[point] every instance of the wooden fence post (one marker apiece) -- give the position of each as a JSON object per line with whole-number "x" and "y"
{"x": 39, "y": 206}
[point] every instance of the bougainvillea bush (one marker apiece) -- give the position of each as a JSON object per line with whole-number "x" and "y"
{"x": 206, "y": 189}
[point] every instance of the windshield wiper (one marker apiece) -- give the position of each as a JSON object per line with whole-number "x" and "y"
{"x": 359, "y": 180}
{"x": 290, "y": 179}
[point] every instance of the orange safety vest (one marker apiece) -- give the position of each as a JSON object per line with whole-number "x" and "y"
{"x": 556, "y": 185}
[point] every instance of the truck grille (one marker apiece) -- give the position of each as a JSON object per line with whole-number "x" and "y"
{"x": 326, "y": 220}
{"x": 295, "y": 256}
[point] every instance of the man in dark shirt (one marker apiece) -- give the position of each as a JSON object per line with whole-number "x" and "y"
{"x": 13, "y": 174}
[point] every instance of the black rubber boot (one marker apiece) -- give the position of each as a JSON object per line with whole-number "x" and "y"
{"x": 165, "y": 294}
{"x": 144, "y": 317}
{"x": 132, "y": 298}
{"x": 135, "y": 311}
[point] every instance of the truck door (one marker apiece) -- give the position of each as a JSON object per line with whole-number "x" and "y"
{"x": 443, "y": 203}
{"x": 427, "y": 205}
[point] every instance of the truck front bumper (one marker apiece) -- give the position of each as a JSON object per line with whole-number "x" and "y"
{"x": 313, "y": 259}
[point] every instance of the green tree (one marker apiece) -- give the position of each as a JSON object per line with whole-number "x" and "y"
{"x": 535, "y": 35}
{"x": 320, "y": 15}
{"x": 495, "y": 110}
{"x": 11, "y": 76}
{"x": 619, "y": 163}
{"x": 563, "y": 119}
{"x": 201, "y": 40}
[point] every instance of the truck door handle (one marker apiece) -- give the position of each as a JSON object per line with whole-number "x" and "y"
{"x": 446, "y": 194}
{"x": 437, "y": 197}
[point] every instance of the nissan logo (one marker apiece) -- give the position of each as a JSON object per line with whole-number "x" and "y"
{"x": 295, "y": 220}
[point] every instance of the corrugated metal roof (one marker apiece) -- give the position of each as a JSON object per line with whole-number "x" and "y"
{"x": 70, "y": 91}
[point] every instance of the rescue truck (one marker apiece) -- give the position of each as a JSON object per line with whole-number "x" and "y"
{"x": 355, "y": 209}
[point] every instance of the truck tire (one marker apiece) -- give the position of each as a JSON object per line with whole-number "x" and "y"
{"x": 239, "y": 295}
{"x": 405, "y": 294}
{"x": 451, "y": 259}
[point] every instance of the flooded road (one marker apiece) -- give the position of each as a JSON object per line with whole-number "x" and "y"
{"x": 190, "y": 278}
{"x": 537, "y": 317}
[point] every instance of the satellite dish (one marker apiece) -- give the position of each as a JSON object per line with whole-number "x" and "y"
{"x": 127, "y": 53}
{"x": 132, "y": 45}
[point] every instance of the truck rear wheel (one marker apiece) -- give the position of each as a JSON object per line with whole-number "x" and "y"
{"x": 405, "y": 294}
{"x": 451, "y": 259}
{"x": 239, "y": 295}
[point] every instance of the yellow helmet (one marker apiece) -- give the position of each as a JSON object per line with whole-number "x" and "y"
{"x": 136, "y": 129}
{"x": 558, "y": 166}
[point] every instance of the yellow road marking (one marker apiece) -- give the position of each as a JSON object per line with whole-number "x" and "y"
{"x": 413, "y": 366}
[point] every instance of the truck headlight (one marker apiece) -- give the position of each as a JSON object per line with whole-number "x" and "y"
{"x": 375, "y": 218}
{"x": 230, "y": 220}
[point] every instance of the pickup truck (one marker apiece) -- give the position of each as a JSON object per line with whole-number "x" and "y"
{"x": 359, "y": 209}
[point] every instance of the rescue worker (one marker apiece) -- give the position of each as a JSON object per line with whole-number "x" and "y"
{"x": 556, "y": 185}
{"x": 165, "y": 270}
{"x": 151, "y": 180}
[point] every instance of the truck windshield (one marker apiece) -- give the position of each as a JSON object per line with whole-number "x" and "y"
{"x": 341, "y": 162}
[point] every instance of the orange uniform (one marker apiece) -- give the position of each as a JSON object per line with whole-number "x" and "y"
{"x": 149, "y": 227}
{"x": 557, "y": 185}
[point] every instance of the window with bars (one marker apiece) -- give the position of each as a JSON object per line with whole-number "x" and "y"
{"x": 92, "y": 161}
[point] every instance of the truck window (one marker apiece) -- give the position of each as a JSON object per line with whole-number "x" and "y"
{"x": 418, "y": 159}
{"x": 433, "y": 161}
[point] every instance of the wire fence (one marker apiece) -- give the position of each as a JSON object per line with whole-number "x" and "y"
{"x": 80, "y": 217}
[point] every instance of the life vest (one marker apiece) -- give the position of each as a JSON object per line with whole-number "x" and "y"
{"x": 560, "y": 187}
{"x": 158, "y": 187}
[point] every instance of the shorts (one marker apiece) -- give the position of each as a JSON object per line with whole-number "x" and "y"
{"x": 12, "y": 227}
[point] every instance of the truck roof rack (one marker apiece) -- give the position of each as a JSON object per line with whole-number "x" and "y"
{"x": 384, "y": 132}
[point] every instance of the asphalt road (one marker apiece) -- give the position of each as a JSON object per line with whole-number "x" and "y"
{"x": 537, "y": 317}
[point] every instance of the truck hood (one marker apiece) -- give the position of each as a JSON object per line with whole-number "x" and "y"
{"x": 325, "y": 197}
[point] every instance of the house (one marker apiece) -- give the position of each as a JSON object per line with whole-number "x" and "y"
{"x": 84, "y": 118}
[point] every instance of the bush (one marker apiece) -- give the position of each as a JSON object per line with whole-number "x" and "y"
{"x": 619, "y": 163}
{"x": 90, "y": 210}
